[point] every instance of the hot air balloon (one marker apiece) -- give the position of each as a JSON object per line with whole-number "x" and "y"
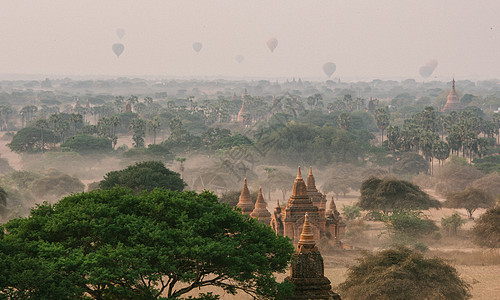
{"x": 120, "y": 32}
{"x": 197, "y": 46}
{"x": 425, "y": 71}
{"x": 432, "y": 63}
{"x": 272, "y": 43}
{"x": 329, "y": 68}
{"x": 239, "y": 58}
{"x": 118, "y": 49}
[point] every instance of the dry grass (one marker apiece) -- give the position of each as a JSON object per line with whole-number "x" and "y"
{"x": 490, "y": 257}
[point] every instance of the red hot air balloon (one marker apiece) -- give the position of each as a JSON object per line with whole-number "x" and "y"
{"x": 272, "y": 43}
{"x": 118, "y": 49}
{"x": 197, "y": 46}
{"x": 329, "y": 68}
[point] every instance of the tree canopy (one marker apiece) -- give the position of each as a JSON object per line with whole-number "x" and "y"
{"x": 400, "y": 273}
{"x": 114, "y": 244}
{"x": 146, "y": 175}
{"x": 470, "y": 199}
{"x": 393, "y": 194}
{"x": 84, "y": 144}
{"x": 486, "y": 231}
{"x": 32, "y": 140}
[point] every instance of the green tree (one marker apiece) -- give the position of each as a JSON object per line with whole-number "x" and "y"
{"x": 412, "y": 224}
{"x": 113, "y": 244}
{"x": 146, "y": 175}
{"x": 470, "y": 199}
{"x": 403, "y": 274}
{"x": 392, "y": 195}
{"x": 351, "y": 212}
{"x": 154, "y": 125}
{"x": 486, "y": 231}
{"x": 85, "y": 144}
{"x": 382, "y": 118}
{"x": 32, "y": 140}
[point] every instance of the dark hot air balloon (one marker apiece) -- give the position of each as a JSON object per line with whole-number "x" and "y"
{"x": 272, "y": 43}
{"x": 120, "y": 32}
{"x": 239, "y": 58}
{"x": 118, "y": 49}
{"x": 425, "y": 71}
{"x": 197, "y": 46}
{"x": 329, "y": 68}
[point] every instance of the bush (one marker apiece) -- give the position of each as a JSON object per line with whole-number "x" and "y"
{"x": 413, "y": 224}
{"x": 452, "y": 223}
{"x": 401, "y": 273}
{"x": 351, "y": 212}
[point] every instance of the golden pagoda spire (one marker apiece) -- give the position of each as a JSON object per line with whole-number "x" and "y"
{"x": 307, "y": 236}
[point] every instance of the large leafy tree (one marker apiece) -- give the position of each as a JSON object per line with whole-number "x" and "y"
{"x": 403, "y": 274}
{"x": 113, "y": 244}
{"x": 86, "y": 144}
{"x": 470, "y": 199}
{"x": 32, "y": 140}
{"x": 393, "y": 194}
{"x": 146, "y": 175}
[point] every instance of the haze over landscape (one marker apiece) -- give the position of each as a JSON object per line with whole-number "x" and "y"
{"x": 221, "y": 150}
{"x": 385, "y": 39}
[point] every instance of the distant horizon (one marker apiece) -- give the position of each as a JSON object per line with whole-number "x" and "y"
{"x": 41, "y": 77}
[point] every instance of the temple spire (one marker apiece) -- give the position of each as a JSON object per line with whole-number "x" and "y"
{"x": 299, "y": 186}
{"x": 260, "y": 211}
{"x": 307, "y": 236}
{"x": 245, "y": 200}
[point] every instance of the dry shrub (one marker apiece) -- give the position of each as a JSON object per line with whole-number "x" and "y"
{"x": 474, "y": 258}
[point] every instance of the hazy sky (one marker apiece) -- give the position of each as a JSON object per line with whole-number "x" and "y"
{"x": 366, "y": 39}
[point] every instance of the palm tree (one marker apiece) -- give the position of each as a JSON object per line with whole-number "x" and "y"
{"x": 181, "y": 161}
{"x": 138, "y": 127}
{"x": 382, "y": 117}
{"x": 155, "y": 126}
{"x": 344, "y": 121}
{"x": 441, "y": 151}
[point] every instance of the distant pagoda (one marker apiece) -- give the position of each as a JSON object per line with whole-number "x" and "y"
{"x": 452, "y": 102}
